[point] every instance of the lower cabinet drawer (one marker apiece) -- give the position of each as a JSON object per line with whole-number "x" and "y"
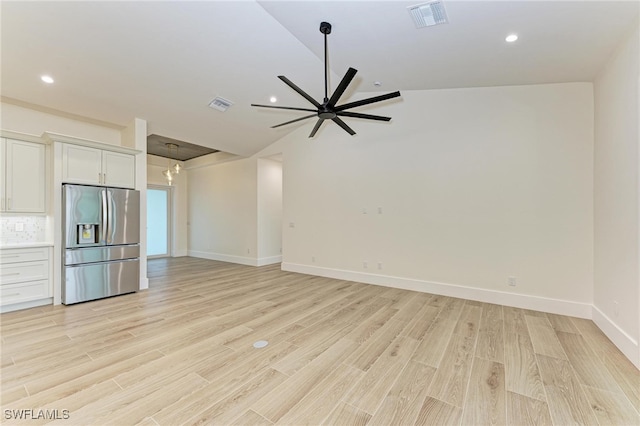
{"x": 24, "y": 292}
{"x": 23, "y": 254}
{"x": 26, "y": 271}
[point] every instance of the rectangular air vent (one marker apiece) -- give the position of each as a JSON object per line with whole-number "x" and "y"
{"x": 428, "y": 14}
{"x": 221, "y": 104}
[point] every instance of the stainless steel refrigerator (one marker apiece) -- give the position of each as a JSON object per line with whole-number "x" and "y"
{"x": 101, "y": 242}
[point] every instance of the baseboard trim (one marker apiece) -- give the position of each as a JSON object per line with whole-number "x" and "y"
{"x": 144, "y": 283}
{"x": 627, "y": 345}
{"x": 180, "y": 253}
{"x": 543, "y": 304}
{"x": 270, "y": 260}
{"x": 26, "y": 305}
{"x": 249, "y": 261}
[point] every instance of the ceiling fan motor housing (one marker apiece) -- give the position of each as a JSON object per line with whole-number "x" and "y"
{"x": 325, "y": 112}
{"x": 325, "y": 28}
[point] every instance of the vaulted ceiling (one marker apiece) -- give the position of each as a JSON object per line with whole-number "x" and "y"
{"x": 165, "y": 61}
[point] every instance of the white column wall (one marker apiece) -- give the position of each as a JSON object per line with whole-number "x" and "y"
{"x": 269, "y": 211}
{"x": 616, "y": 198}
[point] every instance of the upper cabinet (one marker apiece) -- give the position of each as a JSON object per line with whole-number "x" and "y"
{"x": 23, "y": 186}
{"x": 118, "y": 169}
{"x": 93, "y": 166}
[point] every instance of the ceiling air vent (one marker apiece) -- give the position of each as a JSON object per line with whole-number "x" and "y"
{"x": 428, "y": 14}
{"x": 221, "y": 104}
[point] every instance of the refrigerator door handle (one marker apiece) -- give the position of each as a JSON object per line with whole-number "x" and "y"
{"x": 105, "y": 215}
{"x": 110, "y": 209}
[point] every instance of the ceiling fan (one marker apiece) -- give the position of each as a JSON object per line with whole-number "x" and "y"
{"x": 328, "y": 110}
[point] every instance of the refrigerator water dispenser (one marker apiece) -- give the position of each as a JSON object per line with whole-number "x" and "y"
{"x": 87, "y": 233}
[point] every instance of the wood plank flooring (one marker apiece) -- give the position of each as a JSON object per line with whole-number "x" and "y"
{"x": 339, "y": 353}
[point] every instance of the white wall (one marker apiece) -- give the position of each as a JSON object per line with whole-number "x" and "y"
{"x": 616, "y": 277}
{"x": 25, "y": 120}
{"x": 472, "y": 185}
{"x": 269, "y": 211}
{"x": 222, "y": 209}
{"x": 235, "y": 209}
{"x": 179, "y": 194}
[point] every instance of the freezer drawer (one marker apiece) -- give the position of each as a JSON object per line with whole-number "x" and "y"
{"x": 98, "y": 280}
{"x": 100, "y": 254}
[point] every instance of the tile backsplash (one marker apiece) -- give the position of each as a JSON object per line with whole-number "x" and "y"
{"x": 22, "y": 229}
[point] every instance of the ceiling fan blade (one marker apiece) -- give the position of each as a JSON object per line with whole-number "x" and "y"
{"x": 299, "y": 90}
{"x": 316, "y": 127}
{"x": 342, "y": 124}
{"x": 367, "y": 101}
{"x": 293, "y": 121}
{"x": 367, "y": 116}
{"x": 283, "y": 107}
{"x": 346, "y": 80}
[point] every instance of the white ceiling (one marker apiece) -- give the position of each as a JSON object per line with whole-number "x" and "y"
{"x": 165, "y": 61}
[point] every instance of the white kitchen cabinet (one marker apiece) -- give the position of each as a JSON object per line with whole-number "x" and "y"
{"x": 118, "y": 169}
{"x": 81, "y": 164}
{"x": 23, "y": 186}
{"x": 24, "y": 275}
{"x": 93, "y": 166}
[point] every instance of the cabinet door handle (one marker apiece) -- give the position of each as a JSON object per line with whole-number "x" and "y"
{"x": 10, "y": 274}
{"x": 12, "y": 294}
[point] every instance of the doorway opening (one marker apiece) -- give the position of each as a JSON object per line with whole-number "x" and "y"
{"x": 158, "y": 221}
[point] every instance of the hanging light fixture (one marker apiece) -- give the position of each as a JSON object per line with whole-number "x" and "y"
{"x": 172, "y": 170}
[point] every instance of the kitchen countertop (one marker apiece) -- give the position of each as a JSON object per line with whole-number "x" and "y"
{"x": 25, "y": 245}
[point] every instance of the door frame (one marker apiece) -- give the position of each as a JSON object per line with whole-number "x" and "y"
{"x": 169, "y": 191}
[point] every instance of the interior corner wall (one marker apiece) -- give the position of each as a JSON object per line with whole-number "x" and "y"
{"x": 269, "y": 211}
{"x": 616, "y": 198}
{"x": 463, "y": 189}
{"x": 222, "y": 211}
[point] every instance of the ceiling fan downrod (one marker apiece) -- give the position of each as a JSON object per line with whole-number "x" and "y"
{"x": 325, "y": 28}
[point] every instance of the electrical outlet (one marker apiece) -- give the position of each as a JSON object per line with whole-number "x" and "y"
{"x": 365, "y": 265}
{"x": 364, "y": 211}
{"x": 19, "y": 227}
{"x": 379, "y": 265}
{"x": 511, "y": 281}
{"x": 379, "y": 210}
{"x": 313, "y": 259}
{"x": 248, "y": 251}
{"x": 292, "y": 224}
{"x": 616, "y": 309}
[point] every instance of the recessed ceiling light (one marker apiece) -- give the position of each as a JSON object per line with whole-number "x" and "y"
{"x": 273, "y": 99}
{"x": 511, "y": 38}
{"x": 47, "y": 79}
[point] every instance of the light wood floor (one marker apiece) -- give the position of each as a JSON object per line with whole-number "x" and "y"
{"x": 339, "y": 353}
